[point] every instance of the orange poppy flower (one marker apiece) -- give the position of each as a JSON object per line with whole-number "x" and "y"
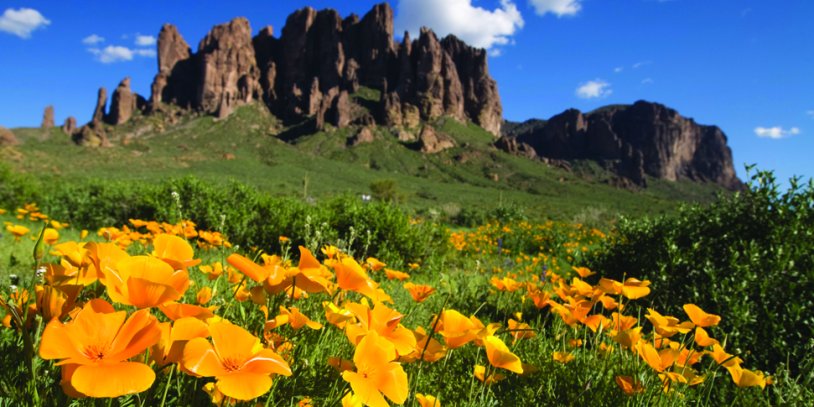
{"x": 395, "y": 275}
{"x": 382, "y": 320}
{"x": 667, "y": 326}
{"x": 374, "y": 264}
{"x": 338, "y": 317}
{"x": 583, "y": 271}
{"x": 426, "y": 400}
{"x": 505, "y": 284}
{"x": 293, "y": 317}
{"x": 634, "y": 288}
{"x": 580, "y": 287}
{"x": 629, "y": 385}
{"x": 103, "y": 258}
{"x": 249, "y": 268}
{"x": 75, "y": 253}
{"x": 203, "y": 296}
{"x": 17, "y": 231}
{"x": 174, "y": 250}
{"x": 212, "y": 271}
{"x": 376, "y": 374}
{"x": 746, "y": 378}
{"x": 563, "y": 357}
{"x": 500, "y": 356}
{"x": 237, "y": 360}
{"x": 309, "y": 276}
{"x": 629, "y": 338}
{"x": 419, "y": 292}
{"x": 177, "y": 310}
{"x": 340, "y": 364}
{"x": 659, "y": 361}
{"x": 50, "y": 237}
{"x": 351, "y": 400}
{"x": 701, "y": 318}
{"x": 433, "y": 351}
{"x": 703, "y": 339}
{"x": 145, "y": 282}
{"x": 56, "y": 301}
{"x": 174, "y": 336}
{"x": 494, "y": 376}
{"x": 520, "y": 330}
{"x": 95, "y": 346}
{"x": 352, "y": 277}
{"x": 593, "y": 322}
{"x": 539, "y": 298}
{"x": 722, "y": 358}
{"x": 456, "y": 329}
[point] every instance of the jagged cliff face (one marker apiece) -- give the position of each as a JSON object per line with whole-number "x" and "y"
{"x": 318, "y": 61}
{"x": 642, "y": 139}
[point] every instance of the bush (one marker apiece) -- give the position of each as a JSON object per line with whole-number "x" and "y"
{"x": 748, "y": 257}
{"x": 16, "y": 188}
{"x": 246, "y": 216}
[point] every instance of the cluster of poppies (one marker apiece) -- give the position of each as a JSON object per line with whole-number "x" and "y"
{"x": 112, "y": 319}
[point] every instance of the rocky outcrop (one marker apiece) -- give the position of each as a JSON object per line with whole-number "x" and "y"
{"x": 176, "y": 78}
{"x": 48, "y": 118}
{"x": 318, "y": 61}
{"x": 643, "y": 139}
{"x": 7, "y": 138}
{"x": 364, "y": 136}
{"x": 481, "y": 99}
{"x": 99, "y": 110}
{"x": 91, "y": 136}
{"x": 430, "y": 142}
{"x": 124, "y": 103}
{"x": 228, "y": 69}
{"x": 69, "y": 127}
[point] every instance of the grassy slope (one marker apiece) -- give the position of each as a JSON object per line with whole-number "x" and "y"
{"x": 473, "y": 174}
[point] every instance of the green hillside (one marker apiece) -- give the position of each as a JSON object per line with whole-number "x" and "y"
{"x": 249, "y": 147}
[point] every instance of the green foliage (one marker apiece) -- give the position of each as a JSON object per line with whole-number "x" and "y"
{"x": 385, "y": 190}
{"x": 257, "y": 149}
{"x": 15, "y": 188}
{"x": 748, "y": 257}
{"x": 245, "y": 215}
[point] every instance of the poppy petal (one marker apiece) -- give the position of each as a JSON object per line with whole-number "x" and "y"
{"x": 112, "y": 380}
{"x": 244, "y": 385}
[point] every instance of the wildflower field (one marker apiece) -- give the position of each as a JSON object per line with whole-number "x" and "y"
{"x": 381, "y": 307}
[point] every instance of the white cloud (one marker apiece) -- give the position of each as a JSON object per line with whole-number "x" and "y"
{"x": 116, "y": 53}
{"x": 618, "y": 69}
{"x": 558, "y": 7}
{"x": 22, "y": 22}
{"x": 810, "y": 113}
{"x": 648, "y": 81}
{"x": 477, "y": 26}
{"x": 776, "y": 132}
{"x": 594, "y": 89}
{"x": 93, "y": 39}
{"x": 638, "y": 65}
{"x": 145, "y": 40}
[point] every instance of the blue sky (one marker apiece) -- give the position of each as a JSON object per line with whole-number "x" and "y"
{"x": 744, "y": 65}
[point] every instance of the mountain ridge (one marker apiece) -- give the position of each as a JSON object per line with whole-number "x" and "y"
{"x": 312, "y": 76}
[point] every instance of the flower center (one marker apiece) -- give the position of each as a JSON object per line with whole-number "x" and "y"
{"x": 232, "y": 364}
{"x": 95, "y": 352}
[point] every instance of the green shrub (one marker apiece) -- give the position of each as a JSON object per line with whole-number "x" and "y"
{"x": 15, "y": 188}
{"x": 748, "y": 257}
{"x": 246, "y": 216}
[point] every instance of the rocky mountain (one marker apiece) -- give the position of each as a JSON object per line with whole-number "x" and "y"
{"x": 636, "y": 140}
{"x": 324, "y": 69}
{"x": 312, "y": 69}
